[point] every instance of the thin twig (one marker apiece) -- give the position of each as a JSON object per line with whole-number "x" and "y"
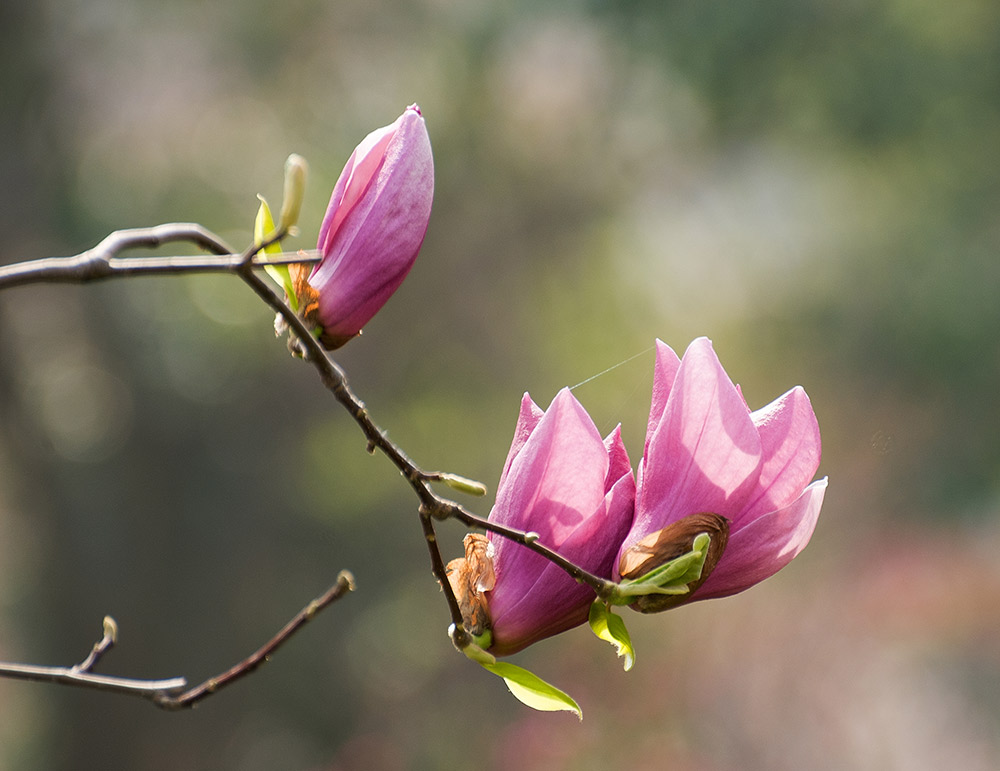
{"x": 171, "y": 693}
{"x": 335, "y": 379}
{"x": 459, "y": 634}
{"x": 70, "y": 676}
{"x": 190, "y": 697}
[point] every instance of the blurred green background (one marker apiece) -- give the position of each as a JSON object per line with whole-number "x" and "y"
{"x": 814, "y": 185}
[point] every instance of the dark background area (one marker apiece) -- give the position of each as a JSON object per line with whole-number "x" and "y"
{"x": 813, "y": 185}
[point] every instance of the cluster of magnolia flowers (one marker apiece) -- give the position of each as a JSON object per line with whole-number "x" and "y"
{"x": 710, "y": 467}
{"x": 722, "y": 498}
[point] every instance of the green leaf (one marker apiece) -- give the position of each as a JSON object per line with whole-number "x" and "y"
{"x": 530, "y": 689}
{"x": 669, "y": 578}
{"x": 262, "y": 228}
{"x": 527, "y": 687}
{"x": 611, "y": 628}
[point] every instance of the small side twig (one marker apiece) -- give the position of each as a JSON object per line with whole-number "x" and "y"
{"x": 101, "y": 647}
{"x": 71, "y": 676}
{"x": 459, "y": 634}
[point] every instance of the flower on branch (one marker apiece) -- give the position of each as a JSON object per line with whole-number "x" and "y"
{"x": 710, "y": 465}
{"x": 373, "y": 228}
{"x": 573, "y": 490}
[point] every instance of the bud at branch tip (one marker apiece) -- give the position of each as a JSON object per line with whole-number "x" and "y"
{"x": 296, "y": 169}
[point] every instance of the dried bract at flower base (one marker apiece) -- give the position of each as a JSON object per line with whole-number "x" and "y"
{"x": 470, "y": 578}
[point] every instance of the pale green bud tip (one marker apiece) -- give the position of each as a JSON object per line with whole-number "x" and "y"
{"x": 296, "y": 169}
{"x": 348, "y": 578}
{"x": 111, "y": 629}
{"x": 463, "y": 485}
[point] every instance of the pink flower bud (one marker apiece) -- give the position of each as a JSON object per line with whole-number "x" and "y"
{"x": 374, "y": 226}
{"x": 576, "y": 491}
{"x": 707, "y": 454}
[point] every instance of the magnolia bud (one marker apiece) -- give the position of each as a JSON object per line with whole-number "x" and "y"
{"x": 296, "y": 169}
{"x": 374, "y": 226}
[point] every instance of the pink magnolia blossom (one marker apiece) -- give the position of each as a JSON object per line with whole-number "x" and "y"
{"x": 576, "y": 491}
{"x": 707, "y": 453}
{"x": 374, "y": 226}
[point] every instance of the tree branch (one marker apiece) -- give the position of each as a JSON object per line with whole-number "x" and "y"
{"x": 102, "y": 262}
{"x": 190, "y": 697}
{"x": 170, "y": 693}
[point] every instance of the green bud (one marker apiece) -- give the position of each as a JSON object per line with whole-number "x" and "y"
{"x": 295, "y": 188}
{"x": 111, "y": 629}
{"x": 463, "y": 484}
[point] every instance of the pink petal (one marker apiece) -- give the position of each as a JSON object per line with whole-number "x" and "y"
{"x": 368, "y": 251}
{"x": 354, "y": 180}
{"x": 527, "y": 419}
{"x": 765, "y": 545}
{"x": 664, "y": 373}
{"x": 790, "y": 448}
{"x": 541, "y": 614}
{"x": 704, "y": 454}
{"x": 555, "y": 481}
{"x": 554, "y": 602}
{"x": 619, "y": 464}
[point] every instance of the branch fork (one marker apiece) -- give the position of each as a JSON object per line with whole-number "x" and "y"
{"x": 103, "y": 262}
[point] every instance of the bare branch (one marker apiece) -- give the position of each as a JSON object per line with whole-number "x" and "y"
{"x": 73, "y": 676}
{"x": 171, "y": 693}
{"x": 102, "y": 261}
{"x": 190, "y": 697}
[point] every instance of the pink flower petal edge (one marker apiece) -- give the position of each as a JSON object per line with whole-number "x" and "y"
{"x": 765, "y": 545}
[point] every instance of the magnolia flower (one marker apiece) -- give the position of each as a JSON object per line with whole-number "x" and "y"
{"x": 373, "y": 228}
{"x": 576, "y": 492}
{"x": 711, "y": 465}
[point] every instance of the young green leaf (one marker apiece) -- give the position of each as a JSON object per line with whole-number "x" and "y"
{"x": 672, "y": 577}
{"x": 611, "y": 628}
{"x": 263, "y": 227}
{"x": 527, "y": 687}
{"x": 530, "y": 689}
